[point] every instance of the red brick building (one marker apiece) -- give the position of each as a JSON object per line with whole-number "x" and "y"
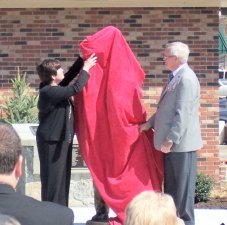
{"x": 33, "y": 30}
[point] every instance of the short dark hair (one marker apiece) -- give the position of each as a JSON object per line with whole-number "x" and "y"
{"x": 47, "y": 69}
{"x": 10, "y": 148}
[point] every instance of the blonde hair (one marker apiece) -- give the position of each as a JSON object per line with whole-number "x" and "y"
{"x": 8, "y": 220}
{"x": 151, "y": 208}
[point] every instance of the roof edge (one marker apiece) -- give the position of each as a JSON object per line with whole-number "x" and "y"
{"x": 109, "y": 3}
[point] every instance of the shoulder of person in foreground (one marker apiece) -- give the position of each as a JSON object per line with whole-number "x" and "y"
{"x": 48, "y": 212}
{"x": 65, "y": 214}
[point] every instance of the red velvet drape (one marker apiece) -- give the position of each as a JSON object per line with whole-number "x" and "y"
{"x": 122, "y": 161}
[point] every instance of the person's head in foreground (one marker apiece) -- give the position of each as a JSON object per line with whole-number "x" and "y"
{"x": 8, "y": 220}
{"x": 10, "y": 155}
{"x": 152, "y": 208}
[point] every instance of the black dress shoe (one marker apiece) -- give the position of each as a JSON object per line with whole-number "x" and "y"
{"x": 100, "y": 217}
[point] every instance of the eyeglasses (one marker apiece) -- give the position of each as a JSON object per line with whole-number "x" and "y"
{"x": 167, "y": 56}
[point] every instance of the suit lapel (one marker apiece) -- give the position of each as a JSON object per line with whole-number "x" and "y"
{"x": 172, "y": 84}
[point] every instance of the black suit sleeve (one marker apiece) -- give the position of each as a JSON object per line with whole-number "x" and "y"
{"x": 72, "y": 72}
{"x": 56, "y": 94}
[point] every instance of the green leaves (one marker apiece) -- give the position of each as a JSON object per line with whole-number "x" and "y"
{"x": 22, "y": 106}
{"x": 204, "y": 186}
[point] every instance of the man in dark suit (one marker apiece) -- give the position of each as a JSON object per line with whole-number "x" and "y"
{"x": 177, "y": 129}
{"x": 26, "y": 210}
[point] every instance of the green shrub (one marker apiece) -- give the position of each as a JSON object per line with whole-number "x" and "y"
{"x": 204, "y": 186}
{"x": 22, "y": 106}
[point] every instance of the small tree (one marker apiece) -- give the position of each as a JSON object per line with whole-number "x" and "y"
{"x": 22, "y": 106}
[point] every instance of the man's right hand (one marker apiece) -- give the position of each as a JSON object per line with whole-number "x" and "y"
{"x": 145, "y": 126}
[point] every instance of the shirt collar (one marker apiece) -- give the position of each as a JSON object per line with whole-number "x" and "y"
{"x": 6, "y": 188}
{"x": 178, "y": 69}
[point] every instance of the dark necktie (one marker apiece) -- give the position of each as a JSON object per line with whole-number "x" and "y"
{"x": 170, "y": 77}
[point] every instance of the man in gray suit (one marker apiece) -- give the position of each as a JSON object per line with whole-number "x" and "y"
{"x": 177, "y": 129}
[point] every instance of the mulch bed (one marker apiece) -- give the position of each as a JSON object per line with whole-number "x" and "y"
{"x": 213, "y": 203}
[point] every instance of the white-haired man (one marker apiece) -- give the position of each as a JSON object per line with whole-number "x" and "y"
{"x": 177, "y": 129}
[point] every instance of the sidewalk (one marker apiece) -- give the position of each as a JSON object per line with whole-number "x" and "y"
{"x": 202, "y": 216}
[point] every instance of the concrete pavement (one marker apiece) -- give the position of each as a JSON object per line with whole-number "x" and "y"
{"x": 202, "y": 216}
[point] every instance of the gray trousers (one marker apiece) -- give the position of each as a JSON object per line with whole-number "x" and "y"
{"x": 179, "y": 182}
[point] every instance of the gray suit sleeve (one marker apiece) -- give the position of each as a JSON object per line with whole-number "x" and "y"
{"x": 185, "y": 102}
{"x": 151, "y": 120}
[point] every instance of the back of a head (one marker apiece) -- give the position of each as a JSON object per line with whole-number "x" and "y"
{"x": 151, "y": 208}
{"x": 10, "y": 148}
{"x": 8, "y": 220}
{"x": 47, "y": 69}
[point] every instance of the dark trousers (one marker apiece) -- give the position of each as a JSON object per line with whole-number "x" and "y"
{"x": 179, "y": 182}
{"x": 55, "y": 170}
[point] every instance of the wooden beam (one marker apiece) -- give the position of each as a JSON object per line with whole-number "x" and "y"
{"x": 223, "y": 3}
{"x": 109, "y": 3}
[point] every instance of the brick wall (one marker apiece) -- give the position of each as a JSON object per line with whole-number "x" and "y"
{"x": 29, "y": 35}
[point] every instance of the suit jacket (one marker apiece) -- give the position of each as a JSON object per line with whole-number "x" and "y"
{"x": 54, "y": 105}
{"x": 29, "y": 211}
{"x": 177, "y": 115}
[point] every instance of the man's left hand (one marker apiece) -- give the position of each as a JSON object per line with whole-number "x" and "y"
{"x": 166, "y": 146}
